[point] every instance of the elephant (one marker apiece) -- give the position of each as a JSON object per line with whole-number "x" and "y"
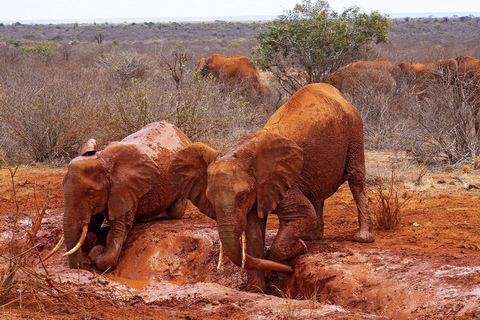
{"x": 468, "y": 85}
{"x": 357, "y": 77}
{"x": 306, "y": 150}
{"x": 468, "y": 66}
{"x": 235, "y": 70}
{"x": 421, "y": 75}
{"x": 122, "y": 184}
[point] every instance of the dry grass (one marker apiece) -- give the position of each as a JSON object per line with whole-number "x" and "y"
{"x": 388, "y": 206}
{"x": 107, "y": 92}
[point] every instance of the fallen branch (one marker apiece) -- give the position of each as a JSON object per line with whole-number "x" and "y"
{"x": 465, "y": 185}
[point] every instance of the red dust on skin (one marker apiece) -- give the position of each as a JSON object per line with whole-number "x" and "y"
{"x": 428, "y": 266}
{"x": 233, "y": 70}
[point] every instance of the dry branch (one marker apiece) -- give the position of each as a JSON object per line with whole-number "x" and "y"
{"x": 465, "y": 185}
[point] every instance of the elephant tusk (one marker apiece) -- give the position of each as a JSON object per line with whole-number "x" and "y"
{"x": 60, "y": 242}
{"x": 79, "y": 243}
{"x": 244, "y": 249}
{"x": 220, "y": 257}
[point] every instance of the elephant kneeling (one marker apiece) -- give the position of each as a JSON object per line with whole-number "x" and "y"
{"x": 306, "y": 150}
{"x": 107, "y": 191}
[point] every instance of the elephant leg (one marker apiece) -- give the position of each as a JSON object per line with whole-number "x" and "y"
{"x": 297, "y": 217}
{"x": 317, "y": 233}
{"x": 365, "y": 232}
{"x": 106, "y": 257}
{"x": 177, "y": 209}
{"x": 355, "y": 175}
{"x": 255, "y": 240}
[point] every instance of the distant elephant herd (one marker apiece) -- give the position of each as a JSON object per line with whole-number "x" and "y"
{"x": 306, "y": 150}
{"x": 461, "y": 73}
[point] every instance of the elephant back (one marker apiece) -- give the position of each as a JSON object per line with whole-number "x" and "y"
{"x": 159, "y": 140}
{"x": 325, "y": 126}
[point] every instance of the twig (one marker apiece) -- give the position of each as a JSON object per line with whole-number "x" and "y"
{"x": 9, "y": 303}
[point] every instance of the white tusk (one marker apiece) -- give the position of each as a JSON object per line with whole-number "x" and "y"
{"x": 60, "y": 242}
{"x": 79, "y": 243}
{"x": 220, "y": 257}
{"x": 244, "y": 249}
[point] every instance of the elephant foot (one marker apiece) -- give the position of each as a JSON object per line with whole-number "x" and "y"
{"x": 364, "y": 237}
{"x": 97, "y": 257}
{"x": 298, "y": 248}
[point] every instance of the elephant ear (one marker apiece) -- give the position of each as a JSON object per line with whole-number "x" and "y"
{"x": 188, "y": 173}
{"x": 132, "y": 174}
{"x": 277, "y": 165}
{"x": 89, "y": 148}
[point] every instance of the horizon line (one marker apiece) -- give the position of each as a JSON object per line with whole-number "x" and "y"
{"x": 221, "y": 18}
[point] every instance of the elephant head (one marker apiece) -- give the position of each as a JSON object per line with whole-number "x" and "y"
{"x": 105, "y": 183}
{"x": 255, "y": 175}
{"x": 202, "y": 67}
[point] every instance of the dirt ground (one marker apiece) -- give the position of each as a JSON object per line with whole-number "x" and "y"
{"x": 427, "y": 268}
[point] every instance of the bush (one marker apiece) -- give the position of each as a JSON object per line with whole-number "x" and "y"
{"x": 315, "y": 41}
{"x": 48, "y": 111}
{"x": 387, "y": 211}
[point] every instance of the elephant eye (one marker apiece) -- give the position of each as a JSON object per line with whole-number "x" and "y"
{"x": 90, "y": 192}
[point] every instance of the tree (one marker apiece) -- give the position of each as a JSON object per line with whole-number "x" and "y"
{"x": 315, "y": 41}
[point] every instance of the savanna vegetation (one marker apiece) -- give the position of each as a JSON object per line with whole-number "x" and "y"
{"x": 62, "y": 84}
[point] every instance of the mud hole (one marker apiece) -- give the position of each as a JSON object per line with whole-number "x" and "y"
{"x": 428, "y": 268}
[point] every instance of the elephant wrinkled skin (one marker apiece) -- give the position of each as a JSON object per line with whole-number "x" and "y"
{"x": 307, "y": 149}
{"x": 122, "y": 184}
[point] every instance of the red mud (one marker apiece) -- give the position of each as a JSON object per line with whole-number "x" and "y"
{"x": 427, "y": 268}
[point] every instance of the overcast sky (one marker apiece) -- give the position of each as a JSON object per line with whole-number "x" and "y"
{"x": 21, "y": 10}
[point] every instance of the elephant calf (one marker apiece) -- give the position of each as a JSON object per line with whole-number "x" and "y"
{"x": 122, "y": 184}
{"x": 308, "y": 148}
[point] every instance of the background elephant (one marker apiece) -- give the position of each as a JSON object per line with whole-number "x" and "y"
{"x": 234, "y": 70}
{"x": 468, "y": 86}
{"x": 124, "y": 183}
{"x": 362, "y": 76}
{"x": 422, "y": 75}
{"x": 307, "y": 149}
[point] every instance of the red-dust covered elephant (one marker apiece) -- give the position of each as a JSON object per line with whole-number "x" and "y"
{"x": 235, "y": 70}
{"x": 124, "y": 183}
{"x": 306, "y": 150}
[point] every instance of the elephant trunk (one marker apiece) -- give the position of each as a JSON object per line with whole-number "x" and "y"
{"x": 231, "y": 243}
{"x": 73, "y": 232}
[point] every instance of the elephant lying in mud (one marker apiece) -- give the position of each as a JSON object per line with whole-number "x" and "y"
{"x": 307, "y": 149}
{"x": 122, "y": 184}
